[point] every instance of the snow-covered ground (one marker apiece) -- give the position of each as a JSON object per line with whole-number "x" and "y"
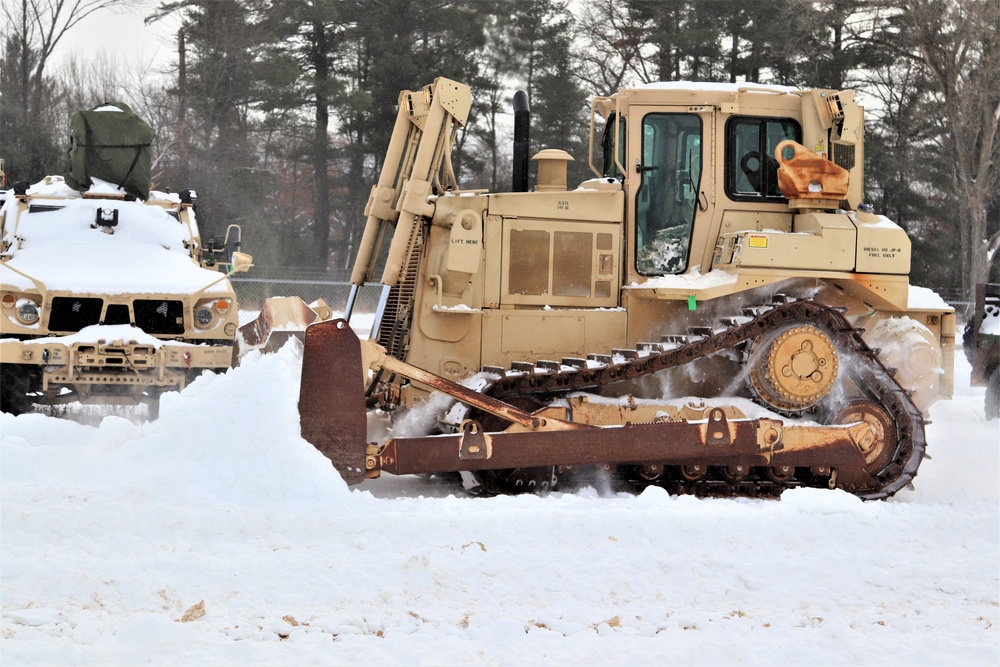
{"x": 216, "y": 535}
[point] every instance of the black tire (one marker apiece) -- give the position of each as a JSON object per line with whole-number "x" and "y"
{"x": 15, "y": 382}
{"x": 993, "y": 395}
{"x": 967, "y": 335}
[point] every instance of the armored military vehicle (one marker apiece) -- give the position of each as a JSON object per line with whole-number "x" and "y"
{"x": 108, "y": 292}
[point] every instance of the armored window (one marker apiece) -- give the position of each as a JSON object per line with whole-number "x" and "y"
{"x": 666, "y": 200}
{"x": 751, "y": 168}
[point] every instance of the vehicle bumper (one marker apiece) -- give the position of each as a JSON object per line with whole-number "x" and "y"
{"x": 115, "y": 363}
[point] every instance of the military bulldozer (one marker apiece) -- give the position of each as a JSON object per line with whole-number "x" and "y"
{"x": 108, "y": 293}
{"x": 716, "y": 311}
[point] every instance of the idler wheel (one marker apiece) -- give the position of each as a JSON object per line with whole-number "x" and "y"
{"x": 879, "y": 444}
{"x": 793, "y": 368}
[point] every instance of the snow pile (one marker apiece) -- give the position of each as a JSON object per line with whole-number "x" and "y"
{"x": 924, "y": 298}
{"x": 217, "y": 536}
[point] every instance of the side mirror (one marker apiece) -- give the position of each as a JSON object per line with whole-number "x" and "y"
{"x": 242, "y": 262}
{"x": 234, "y": 240}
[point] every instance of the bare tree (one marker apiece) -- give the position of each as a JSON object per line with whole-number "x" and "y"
{"x": 614, "y": 49}
{"x": 959, "y": 44}
{"x": 38, "y": 26}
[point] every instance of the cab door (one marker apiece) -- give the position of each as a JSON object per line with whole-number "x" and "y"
{"x": 666, "y": 186}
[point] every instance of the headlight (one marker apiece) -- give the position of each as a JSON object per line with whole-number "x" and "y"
{"x": 207, "y": 314}
{"x": 203, "y": 317}
{"x": 27, "y": 311}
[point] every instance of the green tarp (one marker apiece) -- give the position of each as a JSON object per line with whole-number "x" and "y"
{"x": 115, "y": 146}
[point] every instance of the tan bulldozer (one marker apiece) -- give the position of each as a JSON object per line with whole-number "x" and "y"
{"x": 716, "y": 311}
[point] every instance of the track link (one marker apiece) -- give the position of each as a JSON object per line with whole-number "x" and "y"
{"x": 862, "y": 365}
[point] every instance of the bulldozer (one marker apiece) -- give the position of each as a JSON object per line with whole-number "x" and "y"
{"x": 716, "y": 311}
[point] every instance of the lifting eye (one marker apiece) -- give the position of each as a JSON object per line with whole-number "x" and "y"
{"x": 106, "y": 218}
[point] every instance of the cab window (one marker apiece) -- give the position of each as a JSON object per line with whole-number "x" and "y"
{"x": 611, "y": 169}
{"x": 666, "y": 200}
{"x": 751, "y": 169}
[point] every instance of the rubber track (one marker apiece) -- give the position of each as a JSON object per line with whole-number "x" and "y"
{"x": 861, "y": 364}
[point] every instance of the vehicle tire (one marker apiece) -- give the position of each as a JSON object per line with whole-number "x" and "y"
{"x": 14, "y": 385}
{"x": 967, "y": 335}
{"x": 993, "y": 395}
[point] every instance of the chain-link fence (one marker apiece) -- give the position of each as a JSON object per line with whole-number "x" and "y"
{"x": 252, "y": 291}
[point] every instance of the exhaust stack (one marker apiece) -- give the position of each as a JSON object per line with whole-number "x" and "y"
{"x": 522, "y": 122}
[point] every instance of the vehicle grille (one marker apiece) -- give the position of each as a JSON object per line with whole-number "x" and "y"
{"x": 159, "y": 316}
{"x": 842, "y": 155}
{"x": 72, "y": 314}
{"x": 117, "y": 313}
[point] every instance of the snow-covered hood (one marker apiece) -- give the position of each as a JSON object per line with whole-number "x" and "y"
{"x": 59, "y": 245}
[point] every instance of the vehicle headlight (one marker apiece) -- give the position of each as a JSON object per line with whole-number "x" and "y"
{"x": 203, "y": 317}
{"x": 27, "y": 311}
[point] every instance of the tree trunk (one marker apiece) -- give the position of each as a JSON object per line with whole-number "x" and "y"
{"x": 321, "y": 146}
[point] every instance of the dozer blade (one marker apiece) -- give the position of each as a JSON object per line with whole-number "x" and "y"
{"x": 332, "y": 413}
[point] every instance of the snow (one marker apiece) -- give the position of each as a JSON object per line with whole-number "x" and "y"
{"x": 990, "y": 326}
{"x": 107, "y": 332}
{"x": 102, "y": 187}
{"x": 217, "y": 536}
{"x": 879, "y": 221}
{"x": 458, "y": 308}
{"x": 717, "y": 86}
{"x": 692, "y": 280}
{"x": 924, "y": 298}
{"x": 65, "y": 250}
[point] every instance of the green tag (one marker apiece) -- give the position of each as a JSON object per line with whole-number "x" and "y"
{"x": 692, "y": 304}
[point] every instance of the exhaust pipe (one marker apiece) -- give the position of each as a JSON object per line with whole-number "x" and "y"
{"x": 522, "y": 121}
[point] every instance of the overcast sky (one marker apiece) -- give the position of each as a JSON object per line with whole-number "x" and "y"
{"x": 122, "y": 33}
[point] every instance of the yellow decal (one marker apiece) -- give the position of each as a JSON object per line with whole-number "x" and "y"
{"x": 758, "y": 242}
